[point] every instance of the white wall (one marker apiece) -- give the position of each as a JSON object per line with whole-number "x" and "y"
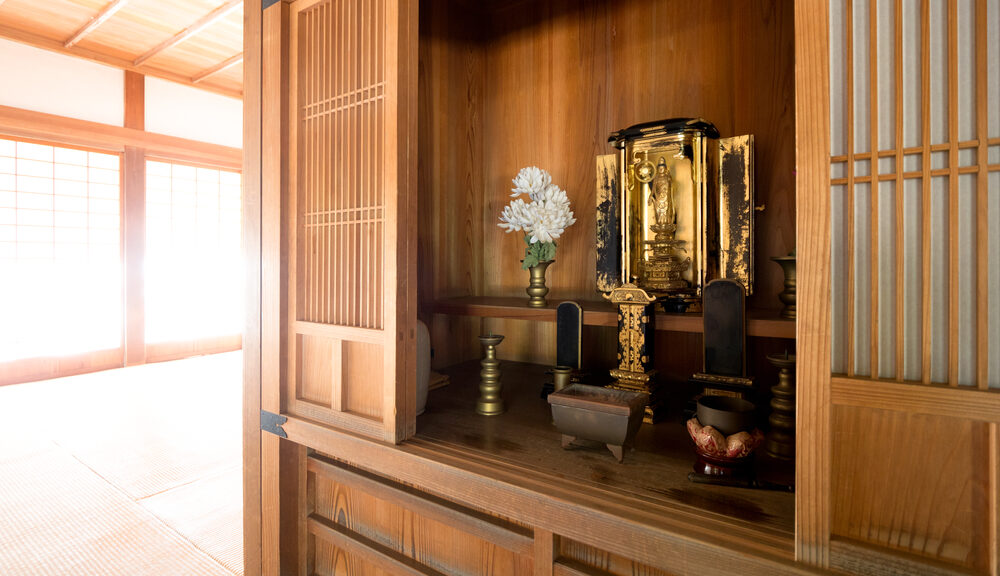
{"x": 188, "y": 112}
{"x": 43, "y": 81}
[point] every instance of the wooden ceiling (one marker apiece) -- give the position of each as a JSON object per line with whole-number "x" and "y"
{"x": 198, "y": 42}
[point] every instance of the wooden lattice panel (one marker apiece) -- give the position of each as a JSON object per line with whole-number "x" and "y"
{"x": 915, "y": 137}
{"x": 340, "y": 104}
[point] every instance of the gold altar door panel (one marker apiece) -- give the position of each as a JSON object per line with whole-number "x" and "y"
{"x": 348, "y": 236}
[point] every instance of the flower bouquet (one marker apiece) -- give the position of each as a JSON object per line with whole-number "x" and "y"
{"x": 543, "y": 218}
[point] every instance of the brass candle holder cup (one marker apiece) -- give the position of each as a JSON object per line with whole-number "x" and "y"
{"x": 787, "y": 296}
{"x": 562, "y": 376}
{"x": 490, "y": 403}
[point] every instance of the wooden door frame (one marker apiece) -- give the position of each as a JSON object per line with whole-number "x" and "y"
{"x": 252, "y": 526}
{"x": 812, "y": 521}
{"x": 812, "y": 225}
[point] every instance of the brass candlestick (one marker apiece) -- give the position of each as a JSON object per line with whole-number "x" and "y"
{"x": 781, "y": 440}
{"x": 490, "y": 403}
{"x": 787, "y": 296}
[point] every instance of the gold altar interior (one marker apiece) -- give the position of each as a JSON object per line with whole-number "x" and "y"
{"x": 686, "y": 209}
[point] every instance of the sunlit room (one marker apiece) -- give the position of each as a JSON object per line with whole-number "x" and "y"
{"x": 500, "y": 287}
{"x": 121, "y": 287}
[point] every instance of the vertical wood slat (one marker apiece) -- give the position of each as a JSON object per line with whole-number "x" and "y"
{"x": 380, "y": 151}
{"x": 982, "y": 198}
{"x": 900, "y": 205}
{"x": 312, "y": 190}
{"x": 873, "y": 359}
{"x": 341, "y": 158}
{"x": 925, "y": 165}
{"x": 849, "y": 64}
{"x": 812, "y": 159}
{"x": 363, "y": 153}
{"x": 953, "y": 268}
{"x": 252, "y": 18}
{"x": 993, "y": 460}
{"x": 273, "y": 162}
{"x": 545, "y": 552}
{"x": 328, "y": 142}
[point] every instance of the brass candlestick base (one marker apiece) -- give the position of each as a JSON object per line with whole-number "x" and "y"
{"x": 536, "y": 285}
{"x": 781, "y": 440}
{"x": 490, "y": 403}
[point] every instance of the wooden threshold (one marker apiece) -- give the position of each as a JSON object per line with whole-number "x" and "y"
{"x": 760, "y": 323}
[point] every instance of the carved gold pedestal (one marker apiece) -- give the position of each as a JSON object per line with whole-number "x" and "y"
{"x": 635, "y": 372}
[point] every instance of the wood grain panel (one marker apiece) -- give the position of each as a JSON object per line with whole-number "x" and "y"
{"x": 591, "y": 560}
{"x": 407, "y": 533}
{"x": 611, "y": 60}
{"x": 896, "y": 484}
{"x": 318, "y": 362}
{"x": 362, "y": 365}
{"x": 763, "y": 105}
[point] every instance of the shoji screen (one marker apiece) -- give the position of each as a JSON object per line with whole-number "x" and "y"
{"x": 915, "y": 305}
{"x": 193, "y": 266}
{"x": 915, "y": 174}
{"x": 60, "y": 251}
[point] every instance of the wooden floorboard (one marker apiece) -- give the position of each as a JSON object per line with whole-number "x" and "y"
{"x": 129, "y": 471}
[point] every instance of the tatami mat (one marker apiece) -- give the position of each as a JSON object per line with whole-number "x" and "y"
{"x": 106, "y": 473}
{"x": 59, "y": 518}
{"x": 212, "y": 523}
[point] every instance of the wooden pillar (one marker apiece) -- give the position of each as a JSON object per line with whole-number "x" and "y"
{"x": 134, "y": 194}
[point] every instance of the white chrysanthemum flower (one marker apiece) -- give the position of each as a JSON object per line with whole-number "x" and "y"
{"x": 543, "y": 220}
{"x": 550, "y": 221}
{"x": 516, "y": 216}
{"x": 531, "y": 181}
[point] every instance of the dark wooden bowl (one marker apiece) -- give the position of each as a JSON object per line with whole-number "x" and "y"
{"x": 726, "y": 414}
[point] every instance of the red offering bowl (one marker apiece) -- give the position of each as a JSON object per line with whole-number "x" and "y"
{"x": 720, "y": 455}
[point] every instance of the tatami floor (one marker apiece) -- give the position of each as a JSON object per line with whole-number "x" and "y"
{"x": 135, "y": 471}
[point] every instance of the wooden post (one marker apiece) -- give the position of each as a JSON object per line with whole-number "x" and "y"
{"x": 134, "y": 195}
{"x": 812, "y": 159}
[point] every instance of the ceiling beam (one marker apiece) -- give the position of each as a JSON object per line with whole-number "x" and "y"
{"x": 227, "y": 63}
{"x": 102, "y": 16}
{"x": 39, "y": 41}
{"x": 191, "y": 30}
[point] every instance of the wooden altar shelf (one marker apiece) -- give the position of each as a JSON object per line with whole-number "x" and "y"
{"x": 760, "y": 323}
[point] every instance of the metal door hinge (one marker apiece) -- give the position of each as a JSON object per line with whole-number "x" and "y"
{"x": 271, "y": 422}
